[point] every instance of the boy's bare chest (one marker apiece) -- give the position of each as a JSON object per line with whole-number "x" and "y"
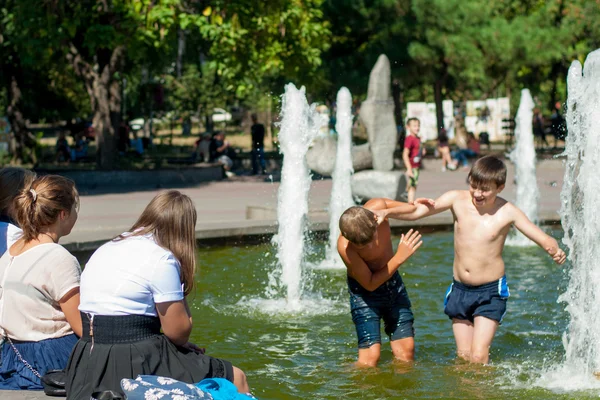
{"x": 480, "y": 228}
{"x": 377, "y": 256}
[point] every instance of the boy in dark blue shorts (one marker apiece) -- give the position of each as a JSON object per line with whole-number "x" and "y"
{"x": 375, "y": 286}
{"x": 476, "y": 299}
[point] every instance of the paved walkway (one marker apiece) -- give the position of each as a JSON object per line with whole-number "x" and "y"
{"x": 222, "y": 208}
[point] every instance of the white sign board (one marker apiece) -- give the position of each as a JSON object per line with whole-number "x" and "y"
{"x": 482, "y": 116}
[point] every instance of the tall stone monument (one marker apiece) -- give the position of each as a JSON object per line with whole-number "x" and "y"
{"x": 377, "y": 113}
{"x": 374, "y": 161}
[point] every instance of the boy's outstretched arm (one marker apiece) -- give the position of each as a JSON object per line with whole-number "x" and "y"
{"x": 382, "y": 206}
{"x": 533, "y": 232}
{"x": 422, "y": 207}
{"x": 359, "y": 270}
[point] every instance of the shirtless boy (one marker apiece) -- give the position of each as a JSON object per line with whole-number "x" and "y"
{"x": 375, "y": 286}
{"x": 476, "y": 300}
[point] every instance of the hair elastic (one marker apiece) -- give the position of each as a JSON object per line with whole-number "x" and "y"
{"x": 34, "y": 194}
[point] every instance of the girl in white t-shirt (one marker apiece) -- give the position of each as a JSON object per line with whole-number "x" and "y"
{"x": 12, "y": 180}
{"x": 131, "y": 288}
{"x": 39, "y": 286}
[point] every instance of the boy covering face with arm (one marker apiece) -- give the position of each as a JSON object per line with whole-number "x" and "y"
{"x": 375, "y": 286}
{"x": 476, "y": 299}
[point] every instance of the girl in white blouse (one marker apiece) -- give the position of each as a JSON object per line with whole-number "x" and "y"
{"x": 39, "y": 285}
{"x": 131, "y": 288}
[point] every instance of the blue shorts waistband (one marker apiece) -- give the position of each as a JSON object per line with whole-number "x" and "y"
{"x": 486, "y": 286}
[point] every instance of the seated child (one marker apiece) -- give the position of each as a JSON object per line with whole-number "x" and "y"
{"x": 444, "y": 151}
{"x": 63, "y": 151}
{"x": 39, "y": 294}
{"x": 476, "y": 299}
{"x": 472, "y": 151}
{"x": 80, "y": 150}
{"x": 375, "y": 286}
{"x": 142, "y": 326}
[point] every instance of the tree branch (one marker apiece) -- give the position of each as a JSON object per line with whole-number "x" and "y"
{"x": 83, "y": 69}
{"x": 116, "y": 58}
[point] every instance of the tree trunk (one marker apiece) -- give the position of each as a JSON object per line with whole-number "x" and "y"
{"x": 22, "y": 144}
{"x": 460, "y": 130}
{"x": 209, "y": 124}
{"x": 396, "y": 96}
{"x": 556, "y": 72}
{"x": 180, "y": 51}
{"x": 439, "y": 111}
{"x": 104, "y": 90}
{"x": 107, "y": 115}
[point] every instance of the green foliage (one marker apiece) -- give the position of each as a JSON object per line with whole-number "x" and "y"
{"x": 361, "y": 31}
{"x": 477, "y": 48}
{"x": 240, "y": 51}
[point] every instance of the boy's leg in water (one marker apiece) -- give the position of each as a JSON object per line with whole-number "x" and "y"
{"x": 370, "y": 356}
{"x": 463, "y": 334}
{"x": 483, "y": 334}
{"x": 404, "y": 349}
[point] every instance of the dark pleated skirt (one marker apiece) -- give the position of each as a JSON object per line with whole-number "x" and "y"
{"x": 43, "y": 356}
{"x": 128, "y": 346}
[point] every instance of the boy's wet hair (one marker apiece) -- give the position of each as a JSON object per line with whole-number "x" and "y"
{"x": 358, "y": 225}
{"x": 486, "y": 170}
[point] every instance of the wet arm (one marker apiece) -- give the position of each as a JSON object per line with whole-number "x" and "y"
{"x": 397, "y": 209}
{"x": 359, "y": 270}
{"x": 442, "y": 203}
{"x": 533, "y": 232}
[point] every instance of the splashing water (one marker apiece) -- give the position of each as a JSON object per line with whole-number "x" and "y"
{"x": 580, "y": 197}
{"x": 299, "y": 126}
{"x": 523, "y": 156}
{"x": 341, "y": 191}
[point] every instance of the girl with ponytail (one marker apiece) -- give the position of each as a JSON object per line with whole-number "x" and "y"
{"x": 39, "y": 285}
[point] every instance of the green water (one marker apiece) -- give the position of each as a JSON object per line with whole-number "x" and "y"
{"x": 309, "y": 354}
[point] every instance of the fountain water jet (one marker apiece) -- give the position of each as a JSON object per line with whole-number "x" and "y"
{"x": 299, "y": 125}
{"x": 523, "y": 156}
{"x": 341, "y": 191}
{"x": 580, "y": 197}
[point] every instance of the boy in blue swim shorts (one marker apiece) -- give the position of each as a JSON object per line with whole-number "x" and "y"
{"x": 476, "y": 299}
{"x": 375, "y": 286}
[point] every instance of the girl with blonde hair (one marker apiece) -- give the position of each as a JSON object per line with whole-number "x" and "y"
{"x": 12, "y": 180}
{"x": 39, "y": 292}
{"x": 131, "y": 288}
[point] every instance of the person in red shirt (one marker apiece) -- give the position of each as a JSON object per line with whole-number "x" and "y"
{"x": 411, "y": 155}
